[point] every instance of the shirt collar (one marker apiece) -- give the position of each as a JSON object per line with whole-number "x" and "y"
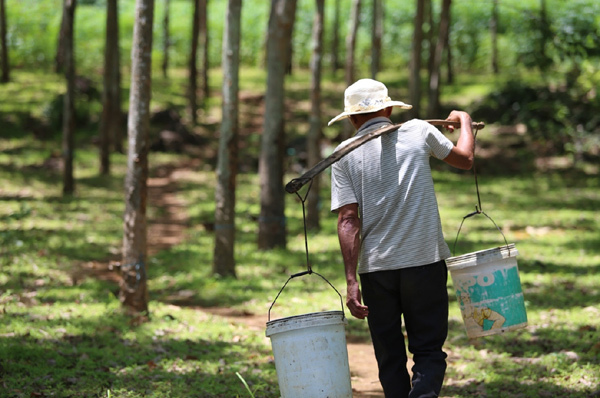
{"x": 372, "y": 122}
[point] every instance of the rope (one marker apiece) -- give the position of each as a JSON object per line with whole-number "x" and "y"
{"x": 309, "y": 270}
{"x": 303, "y": 200}
{"x": 478, "y": 207}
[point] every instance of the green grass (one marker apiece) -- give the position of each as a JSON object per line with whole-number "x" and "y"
{"x": 63, "y": 334}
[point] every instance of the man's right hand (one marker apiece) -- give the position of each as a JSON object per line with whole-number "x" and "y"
{"x": 354, "y": 301}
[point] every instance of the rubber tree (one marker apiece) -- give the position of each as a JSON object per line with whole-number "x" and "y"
{"x": 376, "y": 35}
{"x": 494, "y": 36}
{"x": 313, "y": 139}
{"x": 199, "y": 38}
{"x": 3, "y": 44}
{"x": 133, "y": 292}
{"x": 272, "y": 224}
{"x": 110, "y": 123}
{"x": 166, "y": 43}
{"x": 227, "y": 163}
{"x": 433, "y": 107}
{"x": 193, "y": 63}
{"x": 335, "y": 39}
{"x": 414, "y": 82}
{"x": 347, "y": 129}
{"x": 68, "y": 133}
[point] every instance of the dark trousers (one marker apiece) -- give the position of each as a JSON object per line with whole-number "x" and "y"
{"x": 419, "y": 295}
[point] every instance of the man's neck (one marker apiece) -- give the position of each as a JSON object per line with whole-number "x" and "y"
{"x": 373, "y": 121}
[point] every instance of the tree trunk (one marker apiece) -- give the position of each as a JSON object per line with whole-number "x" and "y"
{"x": 313, "y": 139}
{"x": 449, "y": 68}
{"x": 68, "y": 137}
{"x": 224, "y": 259}
{"x": 166, "y": 39}
{"x": 193, "y": 67}
{"x": 110, "y": 125}
{"x": 335, "y": 41}
{"x": 351, "y": 41}
{"x": 430, "y": 35}
{"x": 494, "y": 34}
{"x": 376, "y": 35}
{"x": 133, "y": 289}
{"x": 434, "y": 81}
{"x": 59, "y": 61}
{"x": 3, "y": 45}
{"x": 347, "y": 129}
{"x": 272, "y": 228}
{"x": 204, "y": 43}
{"x": 414, "y": 83}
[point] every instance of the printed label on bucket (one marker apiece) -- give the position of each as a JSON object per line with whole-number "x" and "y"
{"x": 490, "y": 301}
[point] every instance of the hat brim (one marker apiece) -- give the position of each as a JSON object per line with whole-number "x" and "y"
{"x": 388, "y": 104}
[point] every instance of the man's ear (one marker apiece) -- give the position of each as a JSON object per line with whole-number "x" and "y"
{"x": 388, "y": 111}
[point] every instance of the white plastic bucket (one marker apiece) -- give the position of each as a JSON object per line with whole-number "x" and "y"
{"x": 311, "y": 357}
{"x": 488, "y": 289}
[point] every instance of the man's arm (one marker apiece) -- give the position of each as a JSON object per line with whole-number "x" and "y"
{"x": 349, "y": 236}
{"x": 461, "y": 156}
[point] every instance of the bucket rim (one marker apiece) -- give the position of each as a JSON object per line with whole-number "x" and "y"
{"x": 471, "y": 259}
{"x": 305, "y": 321}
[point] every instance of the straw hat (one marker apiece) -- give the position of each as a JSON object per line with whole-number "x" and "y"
{"x": 365, "y": 96}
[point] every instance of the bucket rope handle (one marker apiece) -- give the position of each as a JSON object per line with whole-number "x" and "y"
{"x": 478, "y": 208}
{"x": 309, "y": 272}
{"x": 478, "y": 211}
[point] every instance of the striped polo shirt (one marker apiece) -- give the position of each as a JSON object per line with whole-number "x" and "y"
{"x": 390, "y": 179}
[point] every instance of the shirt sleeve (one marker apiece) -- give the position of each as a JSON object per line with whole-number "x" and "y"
{"x": 342, "y": 192}
{"x": 439, "y": 145}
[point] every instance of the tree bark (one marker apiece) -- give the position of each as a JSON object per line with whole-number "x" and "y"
{"x": 335, "y": 62}
{"x": 59, "y": 61}
{"x": 313, "y": 139}
{"x": 227, "y": 165}
{"x": 133, "y": 288}
{"x": 430, "y": 34}
{"x": 193, "y": 64}
{"x": 272, "y": 228}
{"x": 434, "y": 82}
{"x": 3, "y": 45}
{"x": 204, "y": 43}
{"x": 351, "y": 41}
{"x": 110, "y": 125}
{"x": 166, "y": 39}
{"x": 376, "y": 35}
{"x": 494, "y": 36}
{"x": 347, "y": 129}
{"x": 68, "y": 137}
{"x": 414, "y": 83}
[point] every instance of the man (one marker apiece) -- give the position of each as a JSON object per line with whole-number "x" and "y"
{"x": 390, "y": 232}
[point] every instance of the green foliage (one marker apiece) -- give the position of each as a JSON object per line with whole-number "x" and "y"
{"x": 567, "y": 36}
{"x": 564, "y": 118}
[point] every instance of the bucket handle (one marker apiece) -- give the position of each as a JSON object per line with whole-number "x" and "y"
{"x": 302, "y": 274}
{"x": 478, "y": 211}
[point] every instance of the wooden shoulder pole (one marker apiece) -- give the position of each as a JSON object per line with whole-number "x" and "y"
{"x": 295, "y": 184}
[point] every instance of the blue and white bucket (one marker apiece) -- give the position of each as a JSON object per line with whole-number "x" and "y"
{"x": 488, "y": 289}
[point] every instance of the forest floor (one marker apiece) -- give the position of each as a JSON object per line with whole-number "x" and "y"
{"x": 169, "y": 229}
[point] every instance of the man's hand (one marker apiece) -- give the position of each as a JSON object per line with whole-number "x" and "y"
{"x": 458, "y": 116}
{"x": 354, "y": 301}
{"x": 462, "y": 155}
